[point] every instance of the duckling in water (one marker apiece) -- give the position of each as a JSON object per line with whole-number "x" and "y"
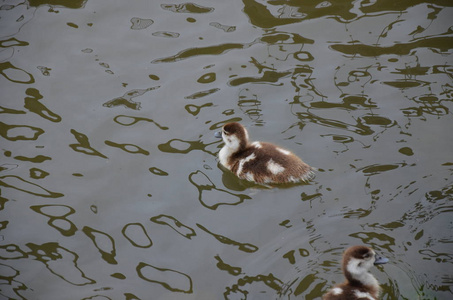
{"x": 260, "y": 162}
{"x": 359, "y": 284}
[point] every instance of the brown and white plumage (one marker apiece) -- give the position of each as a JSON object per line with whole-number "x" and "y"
{"x": 359, "y": 284}
{"x": 260, "y": 162}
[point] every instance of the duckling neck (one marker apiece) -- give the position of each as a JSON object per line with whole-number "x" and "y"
{"x": 366, "y": 279}
{"x": 229, "y": 151}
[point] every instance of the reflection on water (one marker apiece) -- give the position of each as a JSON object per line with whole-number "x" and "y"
{"x": 212, "y": 197}
{"x": 19, "y": 132}
{"x": 32, "y": 104}
{"x": 225, "y": 28}
{"x": 246, "y": 247}
{"x": 126, "y": 99}
{"x": 181, "y": 146}
{"x": 268, "y": 284}
{"x": 84, "y": 145}
{"x": 187, "y": 8}
{"x": 20, "y": 184}
{"x": 202, "y": 94}
{"x": 15, "y": 74}
{"x": 128, "y": 148}
{"x": 103, "y": 242}
{"x": 57, "y": 217}
{"x": 138, "y": 23}
{"x": 130, "y": 120}
{"x": 172, "y": 280}
{"x": 180, "y": 228}
{"x": 60, "y": 261}
{"x": 361, "y": 89}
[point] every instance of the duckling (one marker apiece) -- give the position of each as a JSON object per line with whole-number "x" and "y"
{"x": 260, "y": 162}
{"x": 359, "y": 284}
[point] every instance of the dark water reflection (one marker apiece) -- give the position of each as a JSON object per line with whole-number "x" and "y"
{"x": 109, "y": 184}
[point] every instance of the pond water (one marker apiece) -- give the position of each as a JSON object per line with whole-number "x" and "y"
{"x": 110, "y": 184}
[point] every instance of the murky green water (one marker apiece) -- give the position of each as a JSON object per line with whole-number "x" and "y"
{"x": 110, "y": 186}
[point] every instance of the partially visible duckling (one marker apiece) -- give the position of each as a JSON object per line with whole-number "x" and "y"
{"x": 260, "y": 162}
{"x": 359, "y": 284}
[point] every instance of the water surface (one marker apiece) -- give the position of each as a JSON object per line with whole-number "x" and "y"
{"x": 110, "y": 185}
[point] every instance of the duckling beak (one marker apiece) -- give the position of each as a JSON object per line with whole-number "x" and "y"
{"x": 380, "y": 260}
{"x": 218, "y": 134}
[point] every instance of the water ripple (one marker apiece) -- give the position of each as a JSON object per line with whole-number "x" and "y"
{"x": 221, "y": 265}
{"x": 59, "y": 3}
{"x": 239, "y": 289}
{"x": 103, "y": 242}
{"x": 84, "y": 145}
{"x": 187, "y": 8}
{"x": 131, "y": 120}
{"x": 136, "y": 234}
{"x": 202, "y": 94}
{"x": 138, "y": 23}
{"x": 176, "y": 225}
{"x": 15, "y": 74}
{"x": 19, "y": 132}
{"x": 246, "y": 247}
{"x": 23, "y": 185}
{"x": 126, "y": 99}
{"x": 210, "y": 50}
{"x": 130, "y": 148}
{"x": 57, "y": 217}
{"x": 379, "y": 168}
{"x": 166, "y": 34}
{"x": 172, "y": 280}
{"x": 442, "y": 44}
{"x": 225, "y": 28}
{"x": 61, "y": 262}
{"x": 212, "y": 197}
{"x": 32, "y": 104}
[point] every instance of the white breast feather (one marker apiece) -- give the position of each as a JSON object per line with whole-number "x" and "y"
{"x": 360, "y": 273}
{"x": 231, "y": 141}
{"x": 231, "y": 146}
{"x": 224, "y": 155}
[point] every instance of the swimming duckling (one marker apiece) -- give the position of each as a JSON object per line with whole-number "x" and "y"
{"x": 260, "y": 162}
{"x": 359, "y": 284}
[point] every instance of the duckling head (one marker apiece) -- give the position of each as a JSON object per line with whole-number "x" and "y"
{"x": 234, "y": 135}
{"x": 357, "y": 261}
